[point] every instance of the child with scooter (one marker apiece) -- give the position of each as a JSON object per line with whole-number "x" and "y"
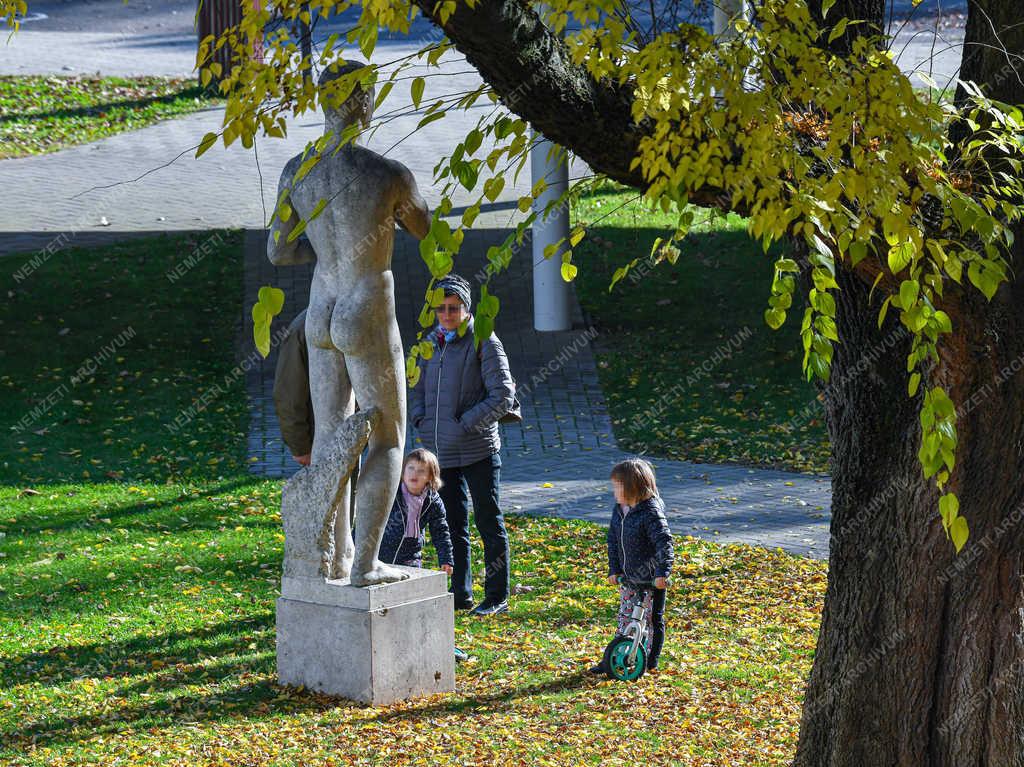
{"x": 639, "y": 562}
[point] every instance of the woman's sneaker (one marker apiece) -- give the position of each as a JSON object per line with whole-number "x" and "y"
{"x": 487, "y": 607}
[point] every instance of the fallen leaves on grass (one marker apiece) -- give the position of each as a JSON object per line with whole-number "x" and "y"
{"x": 44, "y": 113}
{"x": 185, "y": 675}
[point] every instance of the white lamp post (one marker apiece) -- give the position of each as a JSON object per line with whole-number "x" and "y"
{"x": 552, "y": 296}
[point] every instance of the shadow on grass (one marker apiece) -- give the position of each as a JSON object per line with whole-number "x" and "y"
{"x": 185, "y": 709}
{"x": 256, "y": 694}
{"x": 133, "y": 512}
{"x": 183, "y": 660}
{"x": 130, "y": 657}
{"x": 501, "y": 699}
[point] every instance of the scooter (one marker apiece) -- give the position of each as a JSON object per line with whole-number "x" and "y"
{"x": 625, "y": 657}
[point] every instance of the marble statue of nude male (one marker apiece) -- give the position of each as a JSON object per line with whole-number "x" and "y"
{"x": 355, "y": 350}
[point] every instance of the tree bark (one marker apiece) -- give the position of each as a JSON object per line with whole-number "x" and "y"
{"x": 920, "y": 657}
{"x": 530, "y": 68}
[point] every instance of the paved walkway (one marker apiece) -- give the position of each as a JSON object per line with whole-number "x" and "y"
{"x": 149, "y": 180}
{"x": 556, "y": 462}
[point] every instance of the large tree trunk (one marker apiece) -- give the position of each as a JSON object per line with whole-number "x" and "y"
{"x": 920, "y": 658}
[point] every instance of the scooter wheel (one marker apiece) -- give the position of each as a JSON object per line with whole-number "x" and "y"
{"x": 616, "y": 660}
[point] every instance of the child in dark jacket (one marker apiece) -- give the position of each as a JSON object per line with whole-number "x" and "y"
{"x": 417, "y": 506}
{"x": 639, "y": 549}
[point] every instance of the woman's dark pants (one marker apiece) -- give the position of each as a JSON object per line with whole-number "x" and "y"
{"x": 481, "y": 480}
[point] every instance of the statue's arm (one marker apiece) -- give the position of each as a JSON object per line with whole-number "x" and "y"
{"x": 279, "y": 250}
{"x": 411, "y": 211}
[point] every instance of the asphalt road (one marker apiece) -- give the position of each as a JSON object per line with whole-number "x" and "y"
{"x": 176, "y": 16}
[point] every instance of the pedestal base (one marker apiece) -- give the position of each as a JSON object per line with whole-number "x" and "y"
{"x": 377, "y": 644}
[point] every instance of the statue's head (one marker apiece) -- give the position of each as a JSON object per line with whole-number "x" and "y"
{"x": 358, "y": 107}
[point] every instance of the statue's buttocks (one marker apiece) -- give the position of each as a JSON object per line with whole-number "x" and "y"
{"x": 347, "y": 322}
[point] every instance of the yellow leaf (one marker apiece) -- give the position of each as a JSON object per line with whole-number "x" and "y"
{"x": 208, "y": 140}
{"x": 958, "y": 531}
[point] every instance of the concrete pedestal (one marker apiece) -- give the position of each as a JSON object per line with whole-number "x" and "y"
{"x": 378, "y": 644}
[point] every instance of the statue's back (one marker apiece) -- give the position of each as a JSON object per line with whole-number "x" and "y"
{"x": 355, "y": 231}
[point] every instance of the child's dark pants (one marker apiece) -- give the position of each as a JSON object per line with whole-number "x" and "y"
{"x": 658, "y": 621}
{"x": 655, "y": 619}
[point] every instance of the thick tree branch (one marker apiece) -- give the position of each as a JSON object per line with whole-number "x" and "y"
{"x": 531, "y": 71}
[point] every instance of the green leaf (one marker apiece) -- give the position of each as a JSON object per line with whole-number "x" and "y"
{"x": 618, "y": 275}
{"x": 493, "y": 187}
{"x": 838, "y": 29}
{"x": 368, "y": 39}
{"x": 261, "y": 337}
{"x": 954, "y": 268}
{"x": 473, "y": 141}
{"x": 469, "y": 214}
{"x": 383, "y": 93}
{"x": 307, "y": 165}
{"x": 272, "y": 299}
{"x": 915, "y": 379}
{"x": 442, "y": 264}
{"x": 295, "y": 233}
{"x": 949, "y": 506}
{"x": 208, "y": 140}
{"x": 990, "y": 282}
{"x": 488, "y": 305}
{"x": 430, "y": 118}
{"x": 467, "y": 174}
{"x": 417, "y": 91}
{"x": 318, "y": 209}
{"x": 908, "y": 293}
{"x": 483, "y": 326}
{"x": 774, "y": 318}
{"x": 858, "y": 251}
{"x": 568, "y": 272}
{"x": 826, "y": 6}
{"x": 959, "y": 532}
{"x": 900, "y": 255}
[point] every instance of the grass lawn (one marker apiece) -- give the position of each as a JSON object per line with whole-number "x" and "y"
{"x": 45, "y": 113}
{"x": 690, "y": 368}
{"x": 139, "y": 568}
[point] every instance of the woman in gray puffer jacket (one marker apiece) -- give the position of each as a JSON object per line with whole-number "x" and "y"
{"x": 455, "y": 407}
